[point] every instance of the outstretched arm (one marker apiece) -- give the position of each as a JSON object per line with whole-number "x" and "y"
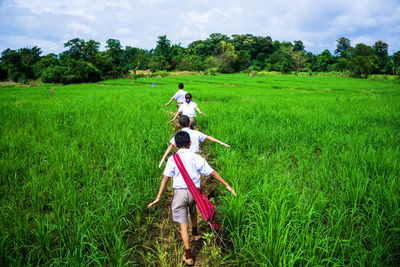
{"x": 219, "y": 179}
{"x": 165, "y": 155}
{"x": 201, "y": 113}
{"x": 166, "y": 104}
{"x": 176, "y": 115}
{"x": 217, "y": 141}
{"x": 162, "y": 188}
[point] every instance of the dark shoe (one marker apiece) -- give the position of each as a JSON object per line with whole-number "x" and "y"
{"x": 188, "y": 261}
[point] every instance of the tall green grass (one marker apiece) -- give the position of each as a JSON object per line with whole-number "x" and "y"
{"x": 314, "y": 160}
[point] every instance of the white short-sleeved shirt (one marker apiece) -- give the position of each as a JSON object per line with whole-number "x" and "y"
{"x": 188, "y": 109}
{"x": 195, "y": 137}
{"x": 194, "y": 165}
{"x": 180, "y": 96}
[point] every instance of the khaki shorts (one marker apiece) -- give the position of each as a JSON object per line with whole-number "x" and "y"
{"x": 193, "y": 122}
{"x": 178, "y": 104}
{"x": 182, "y": 200}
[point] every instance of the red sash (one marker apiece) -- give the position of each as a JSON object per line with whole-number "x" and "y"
{"x": 206, "y": 208}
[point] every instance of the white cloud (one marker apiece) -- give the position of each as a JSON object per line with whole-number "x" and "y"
{"x": 318, "y": 23}
{"x": 124, "y": 31}
{"x": 79, "y": 28}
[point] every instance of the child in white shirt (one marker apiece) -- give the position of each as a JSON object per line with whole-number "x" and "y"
{"x": 189, "y": 109}
{"x": 183, "y": 201}
{"x": 195, "y": 138}
{"x": 179, "y": 96}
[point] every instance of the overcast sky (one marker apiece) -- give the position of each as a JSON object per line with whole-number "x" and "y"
{"x": 318, "y": 23}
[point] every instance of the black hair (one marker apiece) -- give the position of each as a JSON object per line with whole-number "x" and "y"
{"x": 184, "y": 121}
{"x": 182, "y": 139}
{"x": 180, "y": 86}
{"x": 188, "y": 96}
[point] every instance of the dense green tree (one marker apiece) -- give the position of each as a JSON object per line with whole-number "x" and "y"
{"x": 190, "y": 63}
{"x": 311, "y": 61}
{"x": 79, "y": 71}
{"x": 176, "y": 53}
{"x": 213, "y": 41}
{"x": 11, "y": 61}
{"x": 383, "y": 59}
{"x": 162, "y": 55}
{"x": 159, "y": 63}
{"x": 281, "y": 60}
{"x": 343, "y": 47}
{"x": 363, "y": 60}
{"x": 53, "y": 74}
{"x": 298, "y": 46}
{"x": 90, "y": 51}
{"x": 133, "y": 57}
{"x": 76, "y": 47}
{"x": 396, "y": 63}
{"x": 218, "y": 52}
{"x": 244, "y": 42}
{"x": 163, "y": 48}
{"x": 19, "y": 63}
{"x": 210, "y": 62}
{"x": 343, "y": 64}
{"x": 243, "y": 60}
{"x": 198, "y": 48}
{"x": 45, "y": 62}
{"x": 114, "y": 50}
{"x": 3, "y": 72}
{"x": 226, "y": 57}
{"x": 262, "y": 45}
{"x": 324, "y": 61}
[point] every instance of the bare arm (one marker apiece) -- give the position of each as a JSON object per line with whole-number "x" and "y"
{"x": 162, "y": 188}
{"x": 165, "y": 155}
{"x": 201, "y": 113}
{"x": 166, "y": 104}
{"x": 219, "y": 179}
{"x": 176, "y": 115}
{"x": 217, "y": 141}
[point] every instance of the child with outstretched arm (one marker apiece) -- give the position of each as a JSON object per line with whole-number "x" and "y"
{"x": 189, "y": 109}
{"x": 195, "y": 137}
{"x": 183, "y": 200}
{"x": 179, "y": 96}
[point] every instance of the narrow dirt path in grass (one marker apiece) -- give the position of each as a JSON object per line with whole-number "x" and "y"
{"x": 163, "y": 245}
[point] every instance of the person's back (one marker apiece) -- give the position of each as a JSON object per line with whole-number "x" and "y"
{"x": 195, "y": 136}
{"x": 179, "y": 96}
{"x": 183, "y": 201}
{"x": 188, "y": 109}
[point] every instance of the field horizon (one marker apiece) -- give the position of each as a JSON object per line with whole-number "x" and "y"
{"x": 314, "y": 161}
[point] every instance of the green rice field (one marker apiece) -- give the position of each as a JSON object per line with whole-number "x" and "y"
{"x": 315, "y": 162}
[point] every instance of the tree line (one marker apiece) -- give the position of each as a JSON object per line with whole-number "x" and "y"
{"x": 82, "y": 61}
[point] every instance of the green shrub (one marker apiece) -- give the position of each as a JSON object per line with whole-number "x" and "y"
{"x": 211, "y": 71}
{"x": 78, "y": 71}
{"x": 253, "y": 73}
{"x": 52, "y": 74}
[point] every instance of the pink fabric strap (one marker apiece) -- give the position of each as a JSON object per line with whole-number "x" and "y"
{"x": 206, "y": 208}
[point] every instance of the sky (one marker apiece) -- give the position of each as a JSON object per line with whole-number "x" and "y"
{"x": 49, "y": 24}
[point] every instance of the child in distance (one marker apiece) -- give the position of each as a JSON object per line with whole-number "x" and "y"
{"x": 179, "y": 96}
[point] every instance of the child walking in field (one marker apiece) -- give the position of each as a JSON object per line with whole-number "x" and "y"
{"x": 179, "y": 96}
{"x": 195, "y": 138}
{"x": 183, "y": 200}
{"x": 189, "y": 109}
